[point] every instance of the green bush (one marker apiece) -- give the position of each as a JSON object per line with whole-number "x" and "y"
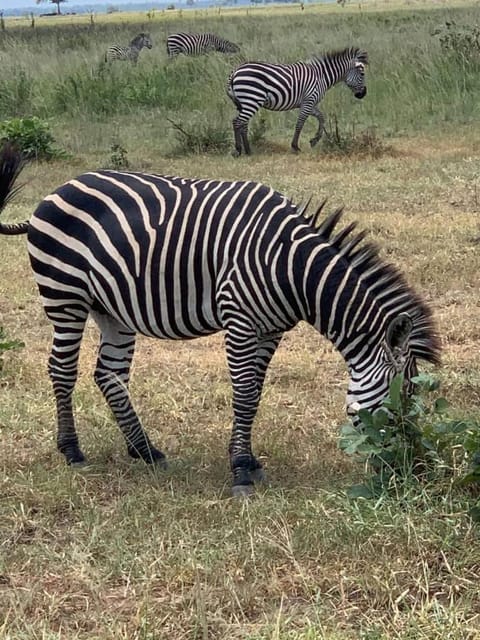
{"x": 413, "y": 438}
{"x": 459, "y": 40}
{"x": 32, "y": 136}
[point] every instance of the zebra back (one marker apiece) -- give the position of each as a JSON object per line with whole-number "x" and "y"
{"x": 198, "y": 43}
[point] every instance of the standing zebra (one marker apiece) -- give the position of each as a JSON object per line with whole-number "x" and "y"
{"x": 194, "y": 44}
{"x": 301, "y": 85}
{"x": 116, "y": 52}
{"x": 179, "y": 258}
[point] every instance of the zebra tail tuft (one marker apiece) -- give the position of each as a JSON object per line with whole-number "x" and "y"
{"x": 12, "y": 162}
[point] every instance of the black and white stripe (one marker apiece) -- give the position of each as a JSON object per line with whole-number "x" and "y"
{"x": 194, "y": 44}
{"x": 178, "y": 258}
{"x": 131, "y": 52}
{"x": 301, "y": 85}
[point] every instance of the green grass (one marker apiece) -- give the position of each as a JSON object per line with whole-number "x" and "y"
{"x": 118, "y": 551}
{"x": 58, "y": 72}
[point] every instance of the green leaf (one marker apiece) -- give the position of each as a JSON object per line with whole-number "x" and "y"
{"x": 380, "y": 418}
{"x": 441, "y": 405}
{"x": 360, "y": 491}
{"x": 395, "y": 395}
{"x": 474, "y": 513}
{"x": 366, "y": 417}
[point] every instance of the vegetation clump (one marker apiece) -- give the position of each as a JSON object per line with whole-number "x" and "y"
{"x": 460, "y": 40}
{"x": 349, "y": 142}
{"x": 32, "y": 136}
{"x": 413, "y": 439}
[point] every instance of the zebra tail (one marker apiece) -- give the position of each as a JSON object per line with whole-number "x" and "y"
{"x": 231, "y": 93}
{"x": 11, "y": 164}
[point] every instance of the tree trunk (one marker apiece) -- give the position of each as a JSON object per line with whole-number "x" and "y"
{"x": 59, "y": 13}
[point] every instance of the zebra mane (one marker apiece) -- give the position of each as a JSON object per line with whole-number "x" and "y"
{"x": 351, "y": 53}
{"x": 382, "y": 276}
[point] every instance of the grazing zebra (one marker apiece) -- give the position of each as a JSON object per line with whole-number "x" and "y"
{"x": 301, "y": 85}
{"x": 182, "y": 258}
{"x": 194, "y": 44}
{"x": 116, "y": 52}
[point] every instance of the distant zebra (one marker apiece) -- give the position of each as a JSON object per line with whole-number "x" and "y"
{"x": 194, "y": 44}
{"x": 116, "y": 52}
{"x": 301, "y": 85}
{"x": 178, "y": 258}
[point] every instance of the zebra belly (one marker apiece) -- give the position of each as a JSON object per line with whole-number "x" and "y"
{"x": 170, "y": 311}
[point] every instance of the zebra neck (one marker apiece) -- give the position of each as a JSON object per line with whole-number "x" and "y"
{"x": 330, "y": 73}
{"x": 337, "y": 303}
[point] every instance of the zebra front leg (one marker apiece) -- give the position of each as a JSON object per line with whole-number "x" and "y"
{"x": 241, "y": 347}
{"x": 112, "y": 376}
{"x": 63, "y": 369}
{"x": 321, "y": 126}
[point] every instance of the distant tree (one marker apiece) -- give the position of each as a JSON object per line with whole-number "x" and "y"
{"x": 57, "y": 2}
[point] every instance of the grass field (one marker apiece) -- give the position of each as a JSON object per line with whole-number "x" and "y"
{"x": 120, "y": 551}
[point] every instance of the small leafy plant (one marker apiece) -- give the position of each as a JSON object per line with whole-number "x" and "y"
{"x": 7, "y": 345}
{"x": 201, "y": 137}
{"x": 118, "y": 157}
{"x": 459, "y": 40}
{"x": 352, "y": 142}
{"x": 32, "y": 136}
{"x": 412, "y": 438}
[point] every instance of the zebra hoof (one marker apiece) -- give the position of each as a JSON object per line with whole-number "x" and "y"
{"x": 243, "y": 490}
{"x": 74, "y": 457}
{"x": 150, "y": 456}
{"x": 296, "y": 150}
{"x": 258, "y": 475}
{"x": 313, "y": 142}
{"x": 236, "y": 153}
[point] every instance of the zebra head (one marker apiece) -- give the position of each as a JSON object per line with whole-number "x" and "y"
{"x": 395, "y": 354}
{"x": 355, "y": 75}
{"x": 231, "y": 47}
{"x": 142, "y": 40}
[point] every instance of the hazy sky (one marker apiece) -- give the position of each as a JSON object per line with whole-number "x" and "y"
{"x": 18, "y": 4}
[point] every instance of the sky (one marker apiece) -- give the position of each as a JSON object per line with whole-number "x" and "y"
{"x": 18, "y": 4}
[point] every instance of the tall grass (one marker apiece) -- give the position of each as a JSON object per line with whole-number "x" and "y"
{"x": 412, "y": 83}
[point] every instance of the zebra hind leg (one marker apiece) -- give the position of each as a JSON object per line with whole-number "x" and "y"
{"x": 321, "y": 126}
{"x": 240, "y": 131}
{"x": 63, "y": 369}
{"x": 112, "y": 376}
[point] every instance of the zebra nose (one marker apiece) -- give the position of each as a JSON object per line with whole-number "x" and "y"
{"x": 361, "y": 94}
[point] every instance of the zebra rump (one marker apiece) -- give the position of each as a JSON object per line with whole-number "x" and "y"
{"x": 179, "y": 258}
{"x": 193, "y": 44}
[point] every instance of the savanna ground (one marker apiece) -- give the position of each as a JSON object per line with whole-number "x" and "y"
{"x": 118, "y": 550}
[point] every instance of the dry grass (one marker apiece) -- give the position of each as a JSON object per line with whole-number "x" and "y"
{"x": 119, "y": 551}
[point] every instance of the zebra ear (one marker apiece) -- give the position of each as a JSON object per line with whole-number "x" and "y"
{"x": 398, "y": 333}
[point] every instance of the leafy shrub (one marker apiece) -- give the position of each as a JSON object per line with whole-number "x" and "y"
{"x": 411, "y": 438}
{"x": 118, "y": 157}
{"x": 7, "y": 345}
{"x": 32, "y": 136}
{"x": 201, "y": 137}
{"x": 460, "y": 40}
{"x": 351, "y": 142}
